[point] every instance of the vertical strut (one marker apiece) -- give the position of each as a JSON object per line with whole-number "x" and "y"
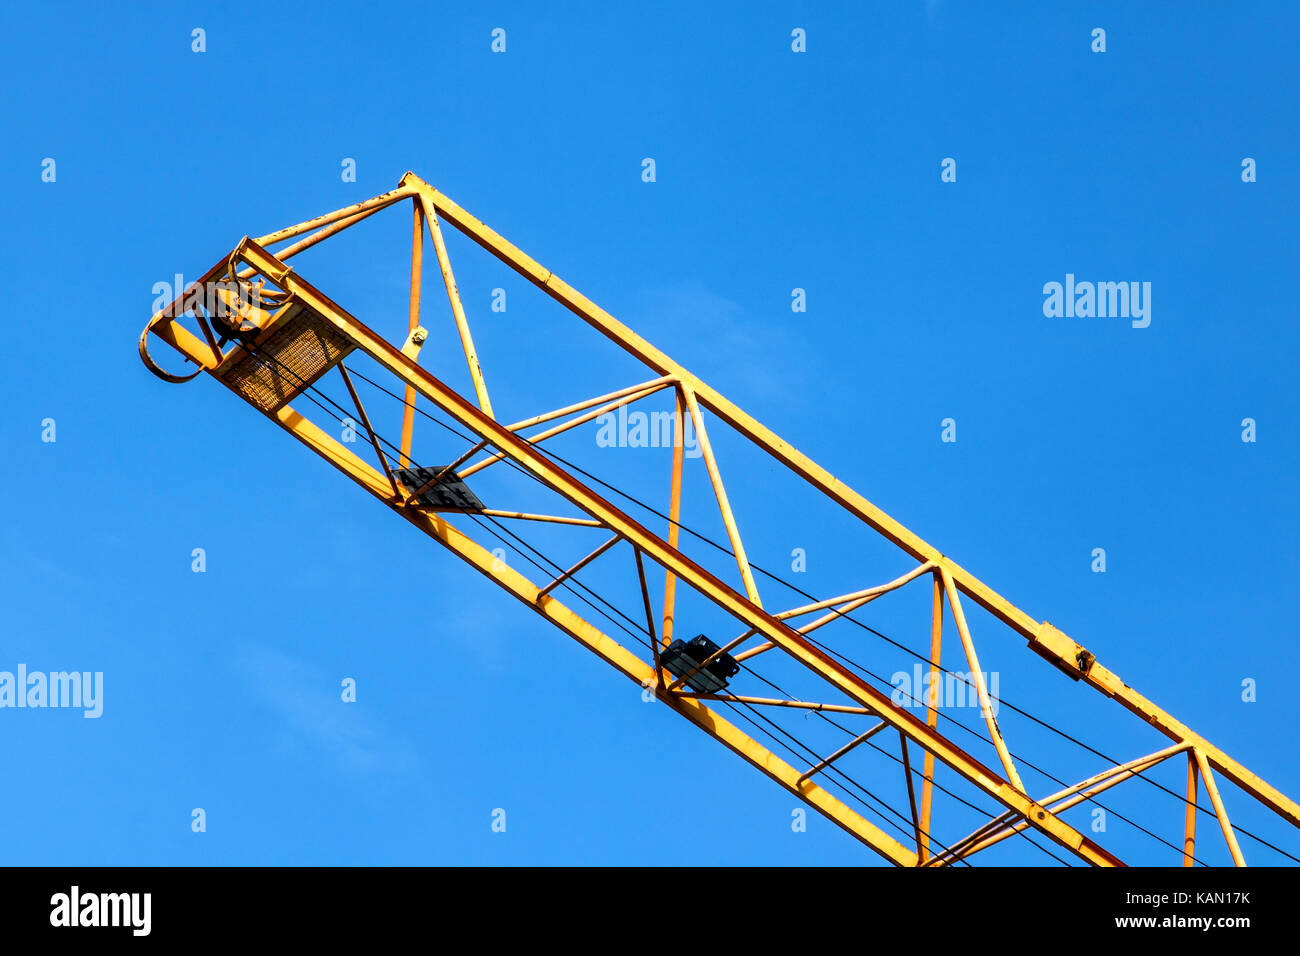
{"x": 931, "y": 713}
{"x": 1189, "y": 825}
{"x": 413, "y": 322}
{"x": 674, "y": 513}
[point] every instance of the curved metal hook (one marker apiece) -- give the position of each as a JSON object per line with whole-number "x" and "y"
{"x": 153, "y": 366}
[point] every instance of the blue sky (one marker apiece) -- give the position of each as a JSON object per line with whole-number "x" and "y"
{"x": 775, "y": 170}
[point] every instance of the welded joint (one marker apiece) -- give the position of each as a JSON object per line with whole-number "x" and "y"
{"x": 276, "y": 275}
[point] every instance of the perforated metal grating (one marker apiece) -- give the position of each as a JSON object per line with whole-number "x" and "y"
{"x": 300, "y": 348}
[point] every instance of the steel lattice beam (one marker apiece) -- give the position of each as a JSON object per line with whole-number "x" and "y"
{"x": 252, "y": 258}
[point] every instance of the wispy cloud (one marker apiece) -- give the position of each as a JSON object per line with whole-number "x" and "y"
{"x": 309, "y": 701}
{"x": 717, "y": 339}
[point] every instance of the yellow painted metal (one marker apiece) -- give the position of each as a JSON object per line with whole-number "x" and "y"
{"x": 781, "y": 634}
{"x": 1220, "y": 811}
{"x": 572, "y": 423}
{"x": 347, "y": 212}
{"x": 572, "y": 624}
{"x": 579, "y": 565}
{"x": 709, "y": 586}
{"x": 1063, "y": 652}
{"x": 977, "y": 676}
{"x": 845, "y": 604}
{"x": 645, "y": 388}
{"x": 780, "y": 702}
{"x": 695, "y": 395}
{"x": 413, "y": 324}
{"x": 674, "y": 513}
{"x": 853, "y": 596}
{"x": 602, "y": 645}
{"x": 1005, "y": 826}
{"x": 931, "y": 711}
{"x": 720, "y": 491}
{"x": 546, "y": 519}
{"x": 861, "y": 738}
{"x": 457, "y": 309}
{"x": 320, "y": 235}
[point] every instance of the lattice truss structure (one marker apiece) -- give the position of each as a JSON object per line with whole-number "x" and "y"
{"x": 797, "y": 685}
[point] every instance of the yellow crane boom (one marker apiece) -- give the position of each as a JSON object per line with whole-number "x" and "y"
{"x": 285, "y": 335}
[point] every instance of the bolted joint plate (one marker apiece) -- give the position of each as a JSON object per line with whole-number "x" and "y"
{"x": 1057, "y": 648}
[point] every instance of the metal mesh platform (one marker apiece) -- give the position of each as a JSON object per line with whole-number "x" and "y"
{"x": 298, "y": 349}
